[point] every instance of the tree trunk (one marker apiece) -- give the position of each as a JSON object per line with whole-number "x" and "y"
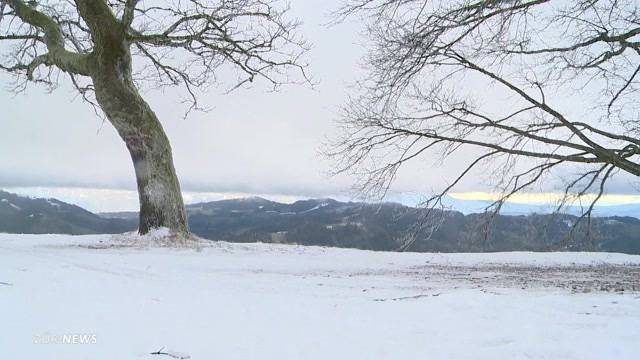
{"x": 161, "y": 203}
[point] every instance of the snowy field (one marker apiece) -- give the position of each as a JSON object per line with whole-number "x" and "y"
{"x": 257, "y": 301}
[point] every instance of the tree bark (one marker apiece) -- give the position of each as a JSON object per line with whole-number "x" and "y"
{"x": 161, "y": 203}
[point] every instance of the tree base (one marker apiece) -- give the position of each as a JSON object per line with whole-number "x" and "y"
{"x": 160, "y": 237}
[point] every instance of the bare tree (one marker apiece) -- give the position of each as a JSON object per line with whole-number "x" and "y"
{"x": 93, "y": 44}
{"x": 566, "y": 74}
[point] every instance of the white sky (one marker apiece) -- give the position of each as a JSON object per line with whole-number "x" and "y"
{"x": 252, "y": 142}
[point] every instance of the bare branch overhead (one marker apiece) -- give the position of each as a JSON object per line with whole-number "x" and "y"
{"x": 496, "y": 79}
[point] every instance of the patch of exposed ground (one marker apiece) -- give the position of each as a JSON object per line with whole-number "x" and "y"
{"x": 576, "y": 278}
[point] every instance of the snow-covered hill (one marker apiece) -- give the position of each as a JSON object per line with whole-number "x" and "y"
{"x": 64, "y": 297}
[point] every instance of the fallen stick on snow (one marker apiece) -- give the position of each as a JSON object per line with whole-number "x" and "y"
{"x": 5, "y": 283}
{"x": 409, "y": 297}
{"x": 172, "y": 354}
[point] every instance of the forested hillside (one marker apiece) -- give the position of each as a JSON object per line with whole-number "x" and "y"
{"x": 328, "y": 222}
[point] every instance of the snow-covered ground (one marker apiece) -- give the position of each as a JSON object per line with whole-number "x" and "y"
{"x": 258, "y": 301}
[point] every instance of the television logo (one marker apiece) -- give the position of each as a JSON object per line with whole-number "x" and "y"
{"x": 66, "y": 339}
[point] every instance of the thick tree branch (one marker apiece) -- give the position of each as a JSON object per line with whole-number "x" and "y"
{"x": 53, "y": 38}
{"x": 129, "y": 12}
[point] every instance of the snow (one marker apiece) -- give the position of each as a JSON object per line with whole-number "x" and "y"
{"x": 261, "y": 301}
{"x": 319, "y": 206}
{"x": 6, "y": 201}
{"x": 158, "y": 237}
{"x": 53, "y": 202}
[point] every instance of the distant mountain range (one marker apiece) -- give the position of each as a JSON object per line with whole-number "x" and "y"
{"x": 510, "y": 208}
{"x": 327, "y": 222}
{"x": 26, "y": 215}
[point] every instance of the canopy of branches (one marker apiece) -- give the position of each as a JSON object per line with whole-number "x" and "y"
{"x": 182, "y": 43}
{"x": 527, "y": 88}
